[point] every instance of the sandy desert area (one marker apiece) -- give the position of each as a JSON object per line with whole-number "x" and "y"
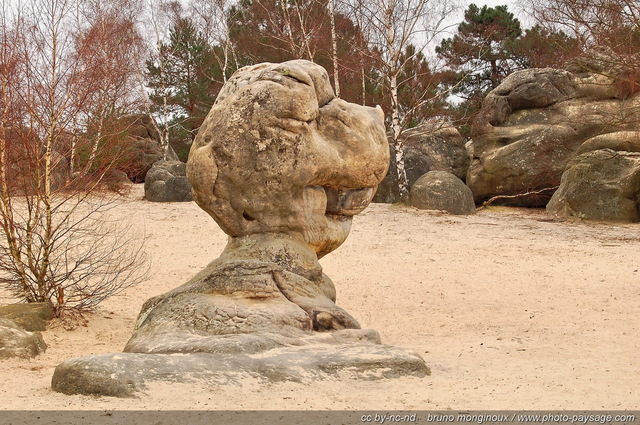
{"x": 510, "y": 308}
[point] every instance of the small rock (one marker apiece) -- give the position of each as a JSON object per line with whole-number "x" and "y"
{"x": 16, "y": 342}
{"x": 427, "y": 148}
{"x": 167, "y": 182}
{"x": 440, "y": 190}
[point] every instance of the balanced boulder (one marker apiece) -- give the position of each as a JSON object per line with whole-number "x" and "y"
{"x": 282, "y": 166}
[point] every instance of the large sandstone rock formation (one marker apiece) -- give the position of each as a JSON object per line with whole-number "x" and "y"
{"x": 429, "y": 147}
{"x": 282, "y": 166}
{"x": 440, "y": 190}
{"x": 530, "y": 127}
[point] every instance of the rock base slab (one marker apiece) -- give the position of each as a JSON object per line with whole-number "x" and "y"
{"x": 128, "y": 374}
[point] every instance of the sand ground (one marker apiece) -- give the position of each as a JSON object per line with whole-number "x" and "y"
{"x": 510, "y": 308}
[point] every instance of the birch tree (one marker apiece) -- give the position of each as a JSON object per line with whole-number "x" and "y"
{"x": 56, "y": 245}
{"x": 270, "y": 31}
{"x": 334, "y": 47}
{"x": 105, "y": 51}
{"x": 391, "y": 26}
{"x": 212, "y": 17}
{"x": 612, "y": 23}
{"x": 286, "y": 29}
{"x": 161, "y": 16}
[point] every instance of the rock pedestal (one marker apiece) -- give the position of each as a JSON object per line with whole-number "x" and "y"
{"x": 282, "y": 166}
{"x": 317, "y": 357}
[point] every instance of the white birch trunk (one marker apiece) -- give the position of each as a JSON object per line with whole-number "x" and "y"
{"x": 53, "y": 122}
{"x": 403, "y": 183}
{"x": 164, "y": 134}
{"x": 305, "y": 37}
{"x": 72, "y": 156}
{"x": 364, "y": 89}
{"x": 393, "y": 65}
{"x": 96, "y": 144}
{"x": 285, "y": 14}
{"x": 334, "y": 46}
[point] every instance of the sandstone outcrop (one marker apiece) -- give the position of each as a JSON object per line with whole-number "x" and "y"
{"x": 282, "y": 166}
{"x": 532, "y": 125}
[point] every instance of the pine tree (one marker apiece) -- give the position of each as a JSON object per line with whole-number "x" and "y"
{"x": 185, "y": 75}
{"x": 482, "y": 49}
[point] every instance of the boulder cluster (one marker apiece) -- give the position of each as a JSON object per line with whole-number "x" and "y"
{"x": 567, "y": 140}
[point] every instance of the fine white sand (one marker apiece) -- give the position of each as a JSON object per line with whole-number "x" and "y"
{"x": 510, "y": 308}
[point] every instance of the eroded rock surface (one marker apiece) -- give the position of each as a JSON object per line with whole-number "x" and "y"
{"x": 279, "y": 154}
{"x": 282, "y": 166}
{"x": 600, "y": 185}
{"x": 532, "y": 125}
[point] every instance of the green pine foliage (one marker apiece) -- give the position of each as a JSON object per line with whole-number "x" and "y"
{"x": 186, "y": 73}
